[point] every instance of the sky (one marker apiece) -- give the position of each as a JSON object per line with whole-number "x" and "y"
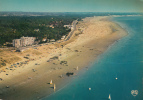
{"x": 72, "y": 5}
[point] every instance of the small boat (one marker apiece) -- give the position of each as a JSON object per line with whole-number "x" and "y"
{"x": 109, "y": 97}
{"x": 116, "y": 78}
{"x": 54, "y": 87}
{"x": 77, "y": 68}
{"x": 51, "y": 82}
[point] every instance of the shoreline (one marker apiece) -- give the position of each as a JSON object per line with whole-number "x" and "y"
{"x": 86, "y": 43}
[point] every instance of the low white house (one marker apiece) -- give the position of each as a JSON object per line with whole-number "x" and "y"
{"x": 63, "y": 37}
{"x": 68, "y": 26}
{"x": 52, "y": 40}
{"x": 36, "y": 30}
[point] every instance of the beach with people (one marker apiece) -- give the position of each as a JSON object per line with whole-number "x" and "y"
{"x": 29, "y": 73}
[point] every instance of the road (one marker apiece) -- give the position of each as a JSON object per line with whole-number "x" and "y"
{"x": 72, "y": 30}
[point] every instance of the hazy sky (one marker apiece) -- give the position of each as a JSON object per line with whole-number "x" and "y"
{"x": 72, "y": 5}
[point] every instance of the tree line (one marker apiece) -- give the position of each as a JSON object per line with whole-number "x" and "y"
{"x": 14, "y": 27}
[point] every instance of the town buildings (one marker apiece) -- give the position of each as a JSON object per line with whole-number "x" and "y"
{"x": 23, "y": 41}
{"x": 69, "y": 26}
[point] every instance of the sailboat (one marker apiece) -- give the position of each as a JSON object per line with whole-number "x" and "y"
{"x": 51, "y": 82}
{"x": 54, "y": 87}
{"x": 77, "y": 68}
{"x": 109, "y": 97}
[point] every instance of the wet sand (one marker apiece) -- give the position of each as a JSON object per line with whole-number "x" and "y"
{"x": 92, "y": 37}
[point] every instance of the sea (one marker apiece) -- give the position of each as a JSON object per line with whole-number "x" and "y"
{"x": 118, "y": 72}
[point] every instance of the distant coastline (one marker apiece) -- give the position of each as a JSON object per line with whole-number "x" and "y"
{"x": 20, "y": 13}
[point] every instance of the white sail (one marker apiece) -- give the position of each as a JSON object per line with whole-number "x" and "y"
{"x": 77, "y": 68}
{"x": 51, "y": 82}
{"x": 109, "y": 97}
{"x": 54, "y": 87}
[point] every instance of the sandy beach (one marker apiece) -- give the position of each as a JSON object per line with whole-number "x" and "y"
{"x": 30, "y": 80}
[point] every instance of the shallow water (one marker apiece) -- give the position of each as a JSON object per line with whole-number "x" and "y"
{"x": 124, "y": 60}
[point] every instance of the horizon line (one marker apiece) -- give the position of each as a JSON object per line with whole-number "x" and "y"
{"x": 70, "y": 12}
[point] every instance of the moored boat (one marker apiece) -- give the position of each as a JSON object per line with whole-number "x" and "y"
{"x": 51, "y": 82}
{"x": 54, "y": 87}
{"x": 109, "y": 97}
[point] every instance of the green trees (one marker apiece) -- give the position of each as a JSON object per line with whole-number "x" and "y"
{"x": 14, "y": 27}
